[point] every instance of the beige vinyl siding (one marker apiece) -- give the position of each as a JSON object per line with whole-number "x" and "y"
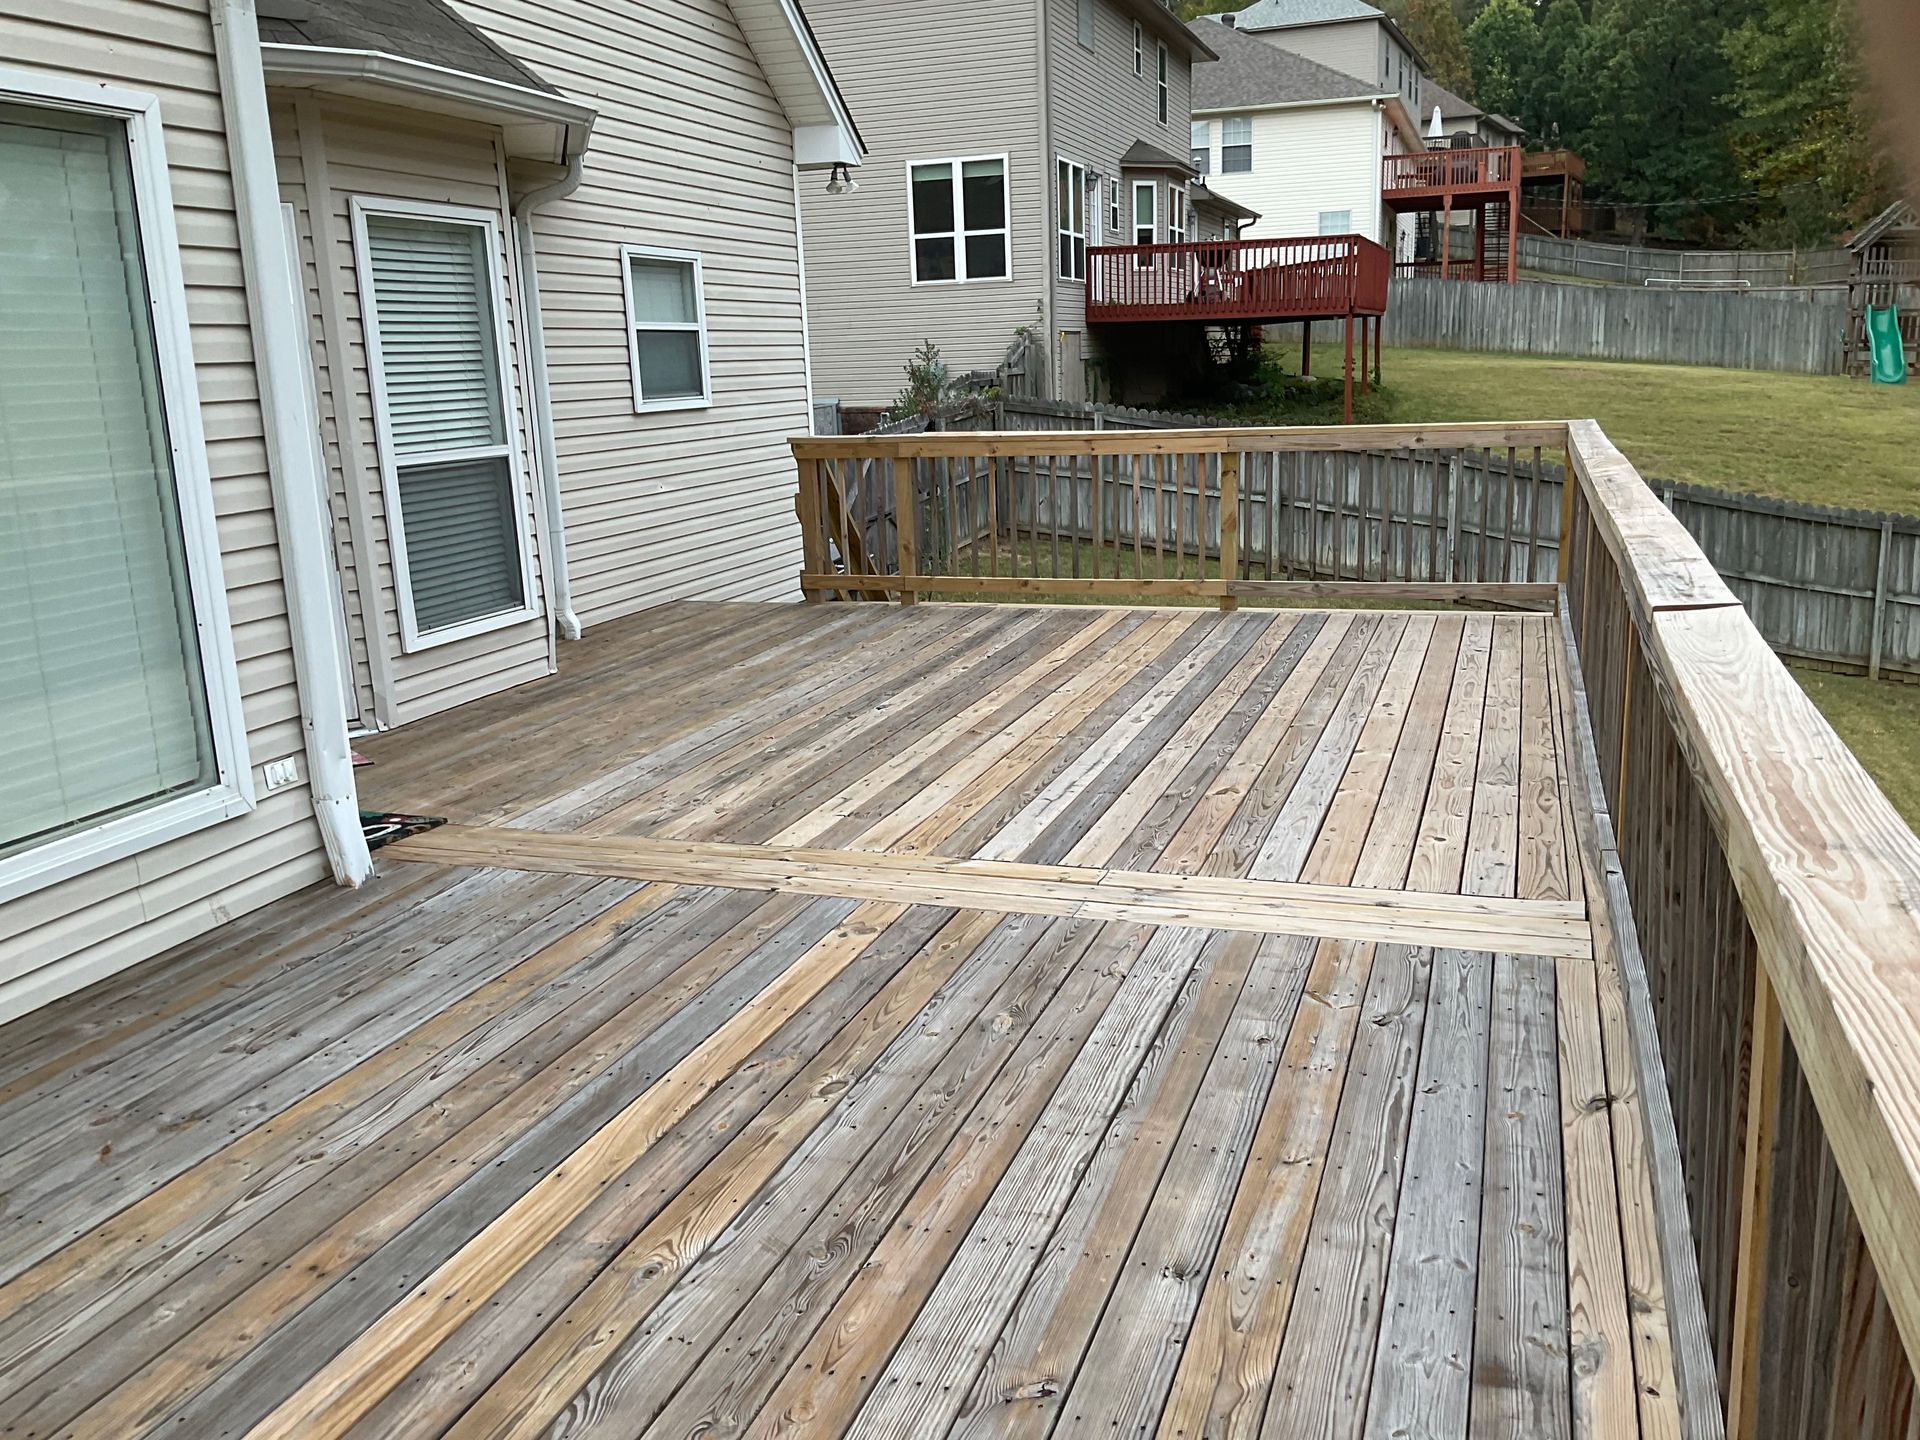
{"x": 67, "y": 935}
{"x": 1351, "y": 47}
{"x": 378, "y": 153}
{"x": 1098, "y": 109}
{"x": 1306, "y": 160}
{"x": 927, "y": 80}
{"x": 691, "y": 152}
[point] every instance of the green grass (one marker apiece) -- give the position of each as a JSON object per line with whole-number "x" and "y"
{"x": 1880, "y": 721}
{"x": 1824, "y": 439}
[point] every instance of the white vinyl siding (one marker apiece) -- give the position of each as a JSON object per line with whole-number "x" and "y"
{"x": 438, "y": 358}
{"x": 1307, "y": 160}
{"x": 667, "y": 323}
{"x": 1350, "y": 46}
{"x": 70, "y": 933}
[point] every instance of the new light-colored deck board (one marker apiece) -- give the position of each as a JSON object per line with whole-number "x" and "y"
{"x": 846, "y": 1020}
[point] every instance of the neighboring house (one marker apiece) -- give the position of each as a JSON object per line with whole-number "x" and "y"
{"x": 1458, "y": 116}
{"x": 1006, "y": 137}
{"x": 1298, "y": 141}
{"x": 335, "y": 381}
{"x": 1345, "y": 35}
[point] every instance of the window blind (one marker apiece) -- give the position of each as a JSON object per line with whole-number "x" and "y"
{"x": 103, "y": 705}
{"x": 446, "y": 418}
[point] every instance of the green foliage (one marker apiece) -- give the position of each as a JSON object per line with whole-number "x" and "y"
{"x": 1500, "y": 49}
{"x": 1803, "y": 130}
{"x": 1194, "y": 9}
{"x": 1435, "y": 32}
{"x": 930, "y": 388}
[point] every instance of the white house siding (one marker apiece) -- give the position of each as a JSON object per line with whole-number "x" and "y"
{"x": 927, "y": 80}
{"x": 67, "y": 935}
{"x": 379, "y": 153}
{"x": 691, "y": 152}
{"x": 1097, "y": 108}
{"x": 1306, "y": 160}
{"x": 1352, "y": 47}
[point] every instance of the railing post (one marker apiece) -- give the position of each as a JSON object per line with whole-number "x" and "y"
{"x": 1229, "y": 523}
{"x": 813, "y": 547}
{"x": 1765, "y": 1042}
{"x": 1561, "y": 560}
{"x": 905, "y": 523}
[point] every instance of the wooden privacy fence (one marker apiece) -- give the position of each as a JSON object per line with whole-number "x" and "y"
{"x": 1637, "y": 264}
{"x": 1759, "y": 895}
{"x": 1608, "y": 322}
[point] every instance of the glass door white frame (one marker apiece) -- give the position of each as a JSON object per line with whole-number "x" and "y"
{"x": 232, "y": 792}
{"x": 412, "y": 638}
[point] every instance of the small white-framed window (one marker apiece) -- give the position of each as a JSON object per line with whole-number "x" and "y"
{"x": 1139, "y": 50}
{"x": 1116, "y": 227}
{"x": 1200, "y": 147}
{"x": 666, "y": 328}
{"x": 1176, "y": 214}
{"x": 1070, "y": 212}
{"x": 1236, "y": 145}
{"x": 958, "y": 219}
{"x": 1146, "y": 218}
{"x": 1336, "y": 222}
{"x": 1164, "y": 104}
{"x": 123, "y": 720}
{"x": 434, "y": 310}
{"x": 1085, "y": 23}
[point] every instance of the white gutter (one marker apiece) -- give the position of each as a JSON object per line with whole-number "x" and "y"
{"x": 300, "y": 506}
{"x": 546, "y": 449}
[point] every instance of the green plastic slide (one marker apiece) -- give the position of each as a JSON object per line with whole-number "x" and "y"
{"x": 1883, "y": 338}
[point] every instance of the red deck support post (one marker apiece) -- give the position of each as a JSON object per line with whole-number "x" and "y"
{"x": 1306, "y": 348}
{"x": 1363, "y": 357}
{"x": 1349, "y": 370}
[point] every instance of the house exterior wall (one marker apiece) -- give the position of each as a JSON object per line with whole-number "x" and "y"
{"x": 1306, "y": 160}
{"x": 376, "y": 153}
{"x": 60, "y": 937}
{"x": 929, "y": 80}
{"x": 1097, "y": 108}
{"x": 1350, "y": 46}
{"x": 691, "y": 152}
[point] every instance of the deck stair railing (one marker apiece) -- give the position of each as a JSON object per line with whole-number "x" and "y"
{"x": 1757, "y": 892}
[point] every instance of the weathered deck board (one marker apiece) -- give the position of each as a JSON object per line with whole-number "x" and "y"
{"x": 851, "y": 1020}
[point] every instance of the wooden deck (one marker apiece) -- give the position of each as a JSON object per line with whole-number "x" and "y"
{"x": 855, "y": 1020}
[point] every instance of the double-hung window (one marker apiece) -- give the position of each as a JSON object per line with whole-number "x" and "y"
{"x": 666, "y": 329}
{"x": 1115, "y": 227}
{"x": 120, "y": 722}
{"x": 1200, "y": 151}
{"x": 1085, "y": 23}
{"x": 436, "y": 342}
{"x": 1176, "y": 215}
{"x": 1236, "y": 145}
{"x": 1163, "y": 84}
{"x": 959, "y": 220}
{"x": 1139, "y": 51}
{"x": 1071, "y": 206}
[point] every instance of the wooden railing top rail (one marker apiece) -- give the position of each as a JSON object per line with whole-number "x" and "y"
{"x": 1548, "y": 434}
{"x": 1827, "y": 871}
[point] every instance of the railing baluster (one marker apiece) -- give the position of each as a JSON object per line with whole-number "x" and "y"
{"x": 1053, "y": 509}
{"x": 1137, "y": 567}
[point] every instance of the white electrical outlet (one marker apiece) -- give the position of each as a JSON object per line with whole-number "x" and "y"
{"x": 279, "y": 773}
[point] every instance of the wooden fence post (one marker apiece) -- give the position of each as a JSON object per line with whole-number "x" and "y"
{"x": 905, "y": 523}
{"x": 1879, "y": 627}
{"x": 806, "y": 504}
{"x": 1765, "y": 1041}
{"x": 1229, "y": 523}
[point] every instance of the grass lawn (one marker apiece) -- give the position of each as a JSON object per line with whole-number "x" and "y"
{"x": 1826, "y": 439}
{"x": 1881, "y": 724}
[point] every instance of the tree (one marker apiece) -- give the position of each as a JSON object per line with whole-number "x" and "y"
{"x": 1435, "y": 32}
{"x": 1804, "y": 134}
{"x": 1501, "y": 51}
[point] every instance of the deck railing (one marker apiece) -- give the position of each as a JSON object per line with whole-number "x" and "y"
{"x": 1322, "y": 276}
{"x": 1486, "y": 168}
{"x": 1762, "y": 898}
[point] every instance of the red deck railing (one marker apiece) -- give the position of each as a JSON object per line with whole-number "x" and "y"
{"x": 1323, "y": 277}
{"x": 1492, "y": 168}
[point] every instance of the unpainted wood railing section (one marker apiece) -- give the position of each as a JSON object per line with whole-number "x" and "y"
{"x": 1179, "y": 515}
{"x": 1764, "y": 895}
{"x": 1803, "y": 1340}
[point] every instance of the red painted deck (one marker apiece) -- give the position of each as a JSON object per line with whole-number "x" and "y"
{"x": 1222, "y": 281}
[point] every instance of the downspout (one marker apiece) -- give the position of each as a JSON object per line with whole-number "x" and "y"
{"x": 1049, "y": 182}
{"x": 546, "y": 449}
{"x": 302, "y": 518}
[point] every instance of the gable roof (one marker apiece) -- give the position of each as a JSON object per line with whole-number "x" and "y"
{"x": 1457, "y": 107}
{"x": 411, "y": 28}
{"x": 1254, "y": 72}
{"x": 1897, "y": 216}
{"x": 1155, "y": 16}
{"x": 1142, "y": 156}
{"x": 1276, "y": 14}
